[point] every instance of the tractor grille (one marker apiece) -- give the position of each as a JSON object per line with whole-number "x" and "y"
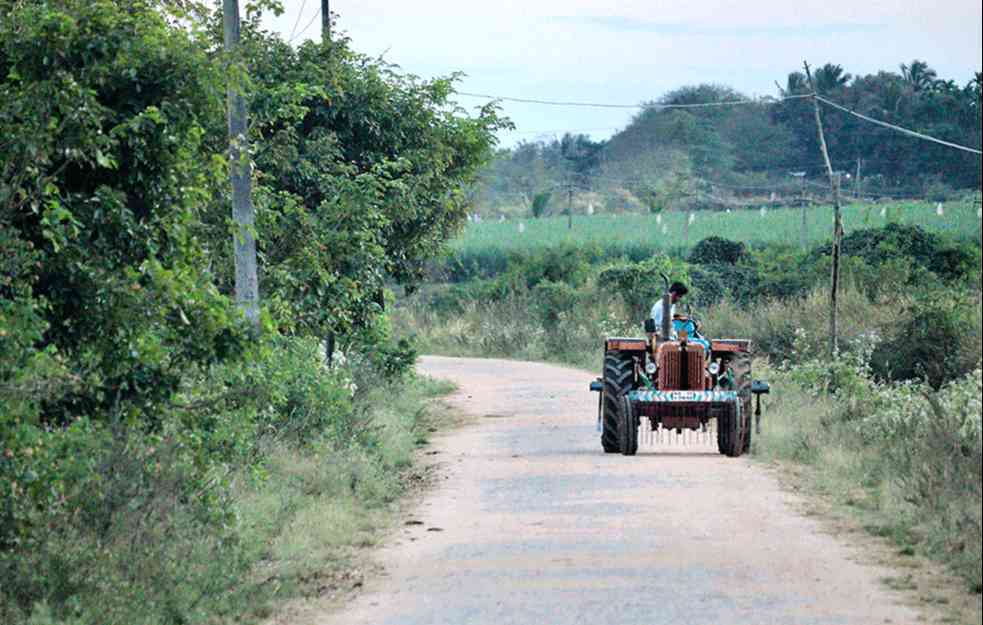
{"x": 681, "y": 368}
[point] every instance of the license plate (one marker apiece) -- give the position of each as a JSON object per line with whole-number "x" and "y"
{"x": 685, "y": 396}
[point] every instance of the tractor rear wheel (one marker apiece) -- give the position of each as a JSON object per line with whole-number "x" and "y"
{"x": 618, "y": 378}
{"x": 741, "y": 366}
{"x": 627, "y": 427}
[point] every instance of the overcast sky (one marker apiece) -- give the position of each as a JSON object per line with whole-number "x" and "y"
{"x": 626, "y": 52}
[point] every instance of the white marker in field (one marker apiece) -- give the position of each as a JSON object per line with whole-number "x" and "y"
{"x": 884, "y": 211}
{"x": 764, "y": 211}
{"x": 939, "y": 210}
{"x": 590, "y": 208}
{"x": 658, "y": 218}
{"x": 522, "y": 227}
{"x": 692, "y": 217}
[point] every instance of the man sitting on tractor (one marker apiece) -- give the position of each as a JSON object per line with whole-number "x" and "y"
{"x": 676, "y": 292}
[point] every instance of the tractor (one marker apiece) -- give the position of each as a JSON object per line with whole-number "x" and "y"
{"x": 679, "y": 381}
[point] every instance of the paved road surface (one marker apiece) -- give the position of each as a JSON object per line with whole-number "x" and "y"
{"x": 534, "y": 525}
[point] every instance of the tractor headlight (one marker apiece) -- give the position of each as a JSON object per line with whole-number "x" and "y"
{"x": 650, "y": 368}
{"x": 714, "y": 368}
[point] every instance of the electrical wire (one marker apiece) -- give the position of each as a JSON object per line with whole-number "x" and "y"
{"x": 303, "y": 5}
{"x": 317, "y": 14}
{"x": 906, "y": 131}
{"x": 631, "y": 106}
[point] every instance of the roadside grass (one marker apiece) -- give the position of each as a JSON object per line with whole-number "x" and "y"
{"x": 315, "y": 512}
{"x": 833, "y": 448}
{"x": 291, "y": 524}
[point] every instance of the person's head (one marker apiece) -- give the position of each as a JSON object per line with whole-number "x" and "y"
{"x": 677, "y": 291}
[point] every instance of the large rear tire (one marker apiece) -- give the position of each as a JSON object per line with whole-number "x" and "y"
{"x": 734, "y": 426}
{"x": 741, "y": 366}
{"x": 618, "y": 377}
{"x": 627, "y": 427}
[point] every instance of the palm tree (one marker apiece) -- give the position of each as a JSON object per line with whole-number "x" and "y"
{"x": 918, "y": 75}
{"x": 830, "y": 78}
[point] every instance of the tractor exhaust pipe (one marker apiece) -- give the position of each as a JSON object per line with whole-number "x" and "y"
{"x": 666, "y": 307}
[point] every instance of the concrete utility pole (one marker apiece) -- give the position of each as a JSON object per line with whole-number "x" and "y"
{"x": 325, "y": 21}
{"x": 240, "y": 173}
{"x": 834, "y": 181}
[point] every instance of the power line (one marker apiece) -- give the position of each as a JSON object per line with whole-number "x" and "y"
{"x": 906, "y": 131}
{"x": 317, "y": 14}
{"x": 632, "y": 106}
{"x": 303, "y": 5}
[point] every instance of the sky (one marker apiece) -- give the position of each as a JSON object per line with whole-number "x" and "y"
{"x": 628, "y": 52}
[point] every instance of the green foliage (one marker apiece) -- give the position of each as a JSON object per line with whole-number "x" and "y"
{"x": 729, "y": 152}
{"x": 361, "y": 174}
{"x": 715, "y": 282}
{"x": 133, "y": 400}
{"x": 483, "y": 248}
{"x": 938, "y": 341}
{"x": 540, "y": 203}
{"x": 553, "y": 300}
{"x": 105, "y": 166}
{"x": 717, "y": 250}
{"x": 922, "y": 248}
{"x": 640, "y": 284}
{"x": 904, "y": 458}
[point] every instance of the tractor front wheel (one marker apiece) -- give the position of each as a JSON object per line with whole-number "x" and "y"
{"x": 627, "y": 427}
{"x": 618, "y": 377}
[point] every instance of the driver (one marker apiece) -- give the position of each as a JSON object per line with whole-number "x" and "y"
{"x": 676, "y": 293}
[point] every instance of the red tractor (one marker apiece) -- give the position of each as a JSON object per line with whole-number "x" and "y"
{"x": 677, "y": 380}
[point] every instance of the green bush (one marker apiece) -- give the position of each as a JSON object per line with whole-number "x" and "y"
{"x": 540, "y": 202}
{"x": 923, "y": 249}
{"x": 639, "y": 284}
{"x": 938, "y": 341}
{"x": 717, "y": 251}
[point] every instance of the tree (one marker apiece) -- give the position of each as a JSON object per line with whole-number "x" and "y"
{"x": 918, "y": 75}
{"x": 362, "y": 175}
{"x": 104, "y": 167}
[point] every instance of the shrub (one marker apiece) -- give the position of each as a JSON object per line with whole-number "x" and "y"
{"x": 639, "y": 284}
{"x": 540, "y": 203}
{"x": 717, "y": 251}
{"x": 936, "y": 341}
{"x": 893, "y": 241}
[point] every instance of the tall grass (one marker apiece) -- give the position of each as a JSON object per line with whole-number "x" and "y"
{"x": 623, "y": 233}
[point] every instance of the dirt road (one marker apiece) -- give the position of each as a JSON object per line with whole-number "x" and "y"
{"x": 534, "y": 525}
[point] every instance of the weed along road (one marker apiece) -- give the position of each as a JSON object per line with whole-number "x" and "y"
{"x": 531, "y": 523}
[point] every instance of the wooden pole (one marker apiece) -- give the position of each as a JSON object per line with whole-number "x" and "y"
{"x": 804, "y": 229}
{"x": 856, "y": 182}
{"x": 240, "y": 174}
{"x": 570, "y": 207}
{"x": 834, "y": 182}
{"x": 329, "y": 340}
